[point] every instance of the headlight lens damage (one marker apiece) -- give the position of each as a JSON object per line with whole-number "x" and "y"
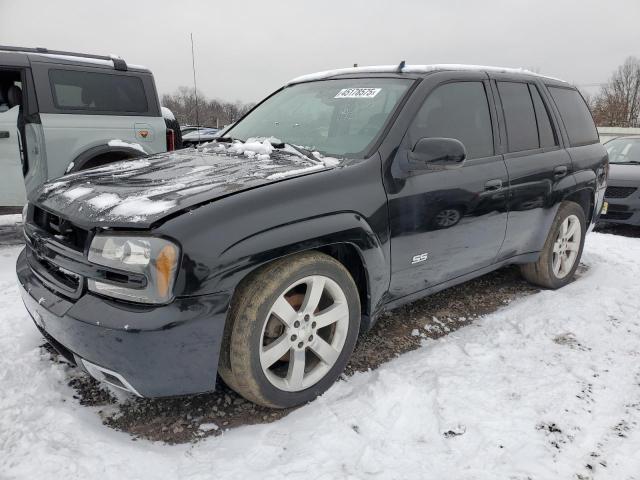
{"x": 155, "y": 258}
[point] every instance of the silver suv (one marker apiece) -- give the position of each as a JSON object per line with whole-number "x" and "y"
{"x": 61, "y": 112}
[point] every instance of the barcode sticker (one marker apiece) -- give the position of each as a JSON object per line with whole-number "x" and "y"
{"x": 358, "y": 93}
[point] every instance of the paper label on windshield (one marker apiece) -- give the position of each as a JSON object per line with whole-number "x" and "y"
{"x": 358, "y": 93}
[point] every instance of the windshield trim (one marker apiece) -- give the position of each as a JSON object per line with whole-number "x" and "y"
{"x": 375, "y": 143}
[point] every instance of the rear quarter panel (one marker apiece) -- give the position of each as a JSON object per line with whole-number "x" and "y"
{"x": 69, "y": 135}
{"x": 590, "y": 164}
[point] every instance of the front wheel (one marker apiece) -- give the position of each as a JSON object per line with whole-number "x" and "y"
{"x": 291, "y": 329}
{"x": 562, "y": 250}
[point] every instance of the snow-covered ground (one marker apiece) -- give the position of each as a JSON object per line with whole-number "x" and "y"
{"x": 546, "y": 388}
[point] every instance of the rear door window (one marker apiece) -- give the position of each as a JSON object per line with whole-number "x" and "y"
{"x": 575, "y": 116}
{"x": 520, "y": 118}
{"x": 97, "y": 92}
{"x": 546, "y": 133}
{"x": 457, "y": 110}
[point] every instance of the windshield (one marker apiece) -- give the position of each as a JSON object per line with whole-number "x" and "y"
{"x": 624, "y": 150}
{"x": 340, "y": 118}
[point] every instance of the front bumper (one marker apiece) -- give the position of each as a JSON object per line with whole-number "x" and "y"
{"x": 157, "y": 350}
{"x": 623, "y": 208}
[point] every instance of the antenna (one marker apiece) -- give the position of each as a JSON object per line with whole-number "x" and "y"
{"x": 195, "y": 87}
{"x": 401, "y": 66}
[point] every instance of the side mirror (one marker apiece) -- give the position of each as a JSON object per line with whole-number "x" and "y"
{"x": 438, "y": 151}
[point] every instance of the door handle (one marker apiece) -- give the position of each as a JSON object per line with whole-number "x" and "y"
{"x": 493, "y": 185}
{"x": 560, "y": 171}
{"x": 5, "y": 134}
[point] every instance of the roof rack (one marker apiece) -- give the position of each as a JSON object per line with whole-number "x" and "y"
{"x": 118, "y": 63}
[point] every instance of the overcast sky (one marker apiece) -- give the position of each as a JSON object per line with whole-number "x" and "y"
{"x": 245, "y": 49}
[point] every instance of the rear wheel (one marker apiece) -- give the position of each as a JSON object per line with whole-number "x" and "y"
{"x": 562, "y": 250}
{"x": 291, "y": 329}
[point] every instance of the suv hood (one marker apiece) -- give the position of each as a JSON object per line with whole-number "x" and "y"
{"x": 138, "y": 193}
{"x": 624, "y": 171}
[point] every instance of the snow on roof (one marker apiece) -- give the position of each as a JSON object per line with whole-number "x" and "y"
{"x": 413, "y": 69}
{"x": 168, "y": 114}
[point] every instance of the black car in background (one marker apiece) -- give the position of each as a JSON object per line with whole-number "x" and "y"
{"x": 623, "y": 190}
{"x": 262, "y": 255}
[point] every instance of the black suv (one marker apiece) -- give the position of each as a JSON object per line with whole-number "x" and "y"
{"x": 261, "y": 256}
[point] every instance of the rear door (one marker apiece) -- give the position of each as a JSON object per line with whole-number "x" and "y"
{"x": 539, "y": 168}
{"x": 12, "y": 189}
{"x": 588, "y": 156}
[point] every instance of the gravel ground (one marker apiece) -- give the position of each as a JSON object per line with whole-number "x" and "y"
{"x": 190, "y": 418}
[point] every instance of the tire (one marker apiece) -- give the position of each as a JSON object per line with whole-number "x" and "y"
{"x": 545, "y": 272}
{"x": 270, "y": 359}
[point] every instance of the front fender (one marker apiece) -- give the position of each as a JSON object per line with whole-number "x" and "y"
{"x": 240, "y": 259}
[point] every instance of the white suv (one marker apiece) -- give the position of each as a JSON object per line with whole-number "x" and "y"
{"x": 61, "y": 112}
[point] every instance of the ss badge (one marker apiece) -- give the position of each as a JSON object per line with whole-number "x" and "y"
{"x": 419, "y": 258}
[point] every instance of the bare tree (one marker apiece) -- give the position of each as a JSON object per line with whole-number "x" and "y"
{"x": 618, "y": 103}
{"x": 211, "y": 113}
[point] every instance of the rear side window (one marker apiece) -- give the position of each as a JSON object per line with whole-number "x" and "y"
{"x": 457, "y": 110}
{"x": 545, "y": 130}
{"x": 97, "y": 92}
{"x": 575, "y": 116}
{"x": 520, "y": 117}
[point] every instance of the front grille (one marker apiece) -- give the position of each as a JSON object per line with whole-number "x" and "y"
{"x": 62, "y": 276}
{"x": 619, "y": 192}
{"x": 54, "y": 277}
{"x": 64, "y": 231}
{"x": 617, "y": 215}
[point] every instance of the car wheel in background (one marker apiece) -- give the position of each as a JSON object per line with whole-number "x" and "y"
{"x": 291, "y": 329}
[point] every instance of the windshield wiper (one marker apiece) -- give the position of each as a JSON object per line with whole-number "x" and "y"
{"x": 302, "y": 151}
{"x": 227, "y": 140}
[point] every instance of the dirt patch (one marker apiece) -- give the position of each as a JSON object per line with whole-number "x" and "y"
{"x": 190, "y": 418}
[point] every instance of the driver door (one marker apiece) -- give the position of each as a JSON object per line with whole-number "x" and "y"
{"x": 12, "y": 188}
{"x": 448, "y": 220}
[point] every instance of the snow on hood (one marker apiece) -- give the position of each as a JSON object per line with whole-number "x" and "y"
{"x": 140, "y": 192}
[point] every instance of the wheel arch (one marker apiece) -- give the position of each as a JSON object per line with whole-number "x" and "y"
{"x": 351, "y": 258}
{"x": 585, "y": 197}
{"x": 345, "y": 237}
{"x": 101, "y": 154}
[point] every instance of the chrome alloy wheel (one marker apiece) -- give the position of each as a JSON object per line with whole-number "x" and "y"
{"x": 566, "y": 246}
{"x": 304, "y": 333}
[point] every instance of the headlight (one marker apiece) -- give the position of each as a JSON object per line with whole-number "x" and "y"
{"x": 155, "y": 258}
